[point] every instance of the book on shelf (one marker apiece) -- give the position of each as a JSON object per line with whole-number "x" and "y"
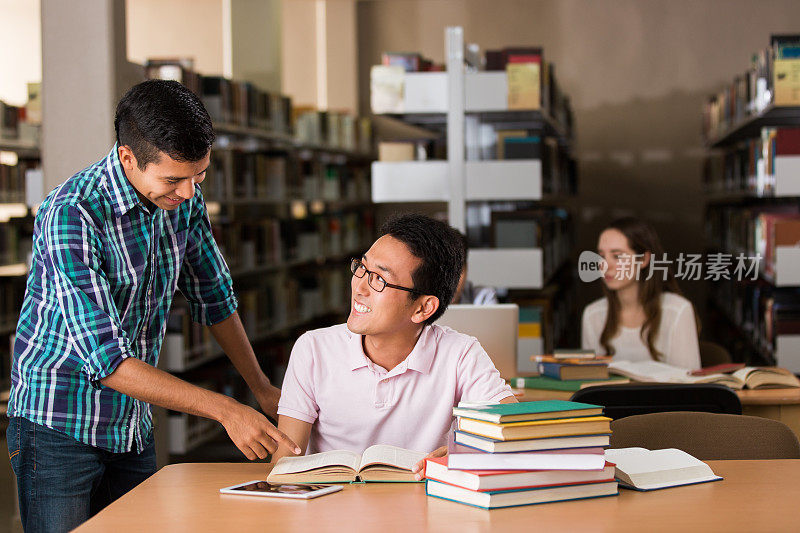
{"x": 772, "y": 79}
{"x": 491, "y": 445}
{"x": 749, "y": 377}
{"x": 562, "y": 427}
{"x": 409, "y": 61}
{"x": 499, "y": 499}
{"x": 380, "y": 462}
{"x": 569, "y": 385}
{"x": 441, "y": 469}
{"x": 643, "y": 469}
{"x": 528, "y": 411}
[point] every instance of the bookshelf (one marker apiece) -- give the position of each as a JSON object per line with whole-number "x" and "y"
{"x": 484, "y": 185}
{"x": 288, "y": 194}
{"x": 752, "y": 185}
{"x": 19, "y": 164}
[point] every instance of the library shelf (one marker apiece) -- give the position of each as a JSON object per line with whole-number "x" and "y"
{"x": 786, "y": 268}
{"x": 487, "y": 180}
{"x": 284, "y": 141}
{"x": 13, "y": 210}
{"x": 22, "y": 148}
{"x": 786, "y": 184}
{"x": 772, "y": 116}
{"x": 188, "y": 432}
{"x": 14, "y": 270}
{"x": 178, "y": 359}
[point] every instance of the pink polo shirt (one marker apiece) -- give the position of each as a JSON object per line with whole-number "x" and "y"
{"x": 354, "y": 403}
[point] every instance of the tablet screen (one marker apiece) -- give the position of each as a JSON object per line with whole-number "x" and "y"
{"x": 263, "y": 486}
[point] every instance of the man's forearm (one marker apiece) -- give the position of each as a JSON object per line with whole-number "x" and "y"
{"x": 139, "y": 380}
{"x": 232, "y": 338}
{"x": 297, "y": 430}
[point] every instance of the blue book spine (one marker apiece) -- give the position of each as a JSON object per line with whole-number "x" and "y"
{"x": 551, "y": 370}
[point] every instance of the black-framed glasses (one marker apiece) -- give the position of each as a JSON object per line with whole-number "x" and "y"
{"x": 374, "y": 279}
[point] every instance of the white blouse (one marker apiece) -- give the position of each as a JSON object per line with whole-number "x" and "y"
{"x": 676, "y": 340}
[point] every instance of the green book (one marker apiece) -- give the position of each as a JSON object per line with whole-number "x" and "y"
{"x": 571, "y": 385}
{"x": 528, "y": 411}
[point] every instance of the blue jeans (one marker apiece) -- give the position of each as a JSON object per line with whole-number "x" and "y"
{"x": 63, "y": 482}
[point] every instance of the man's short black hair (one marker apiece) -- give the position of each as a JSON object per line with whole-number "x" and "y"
{"x": 441, "y": 250}
{"x": 163, "y": 116}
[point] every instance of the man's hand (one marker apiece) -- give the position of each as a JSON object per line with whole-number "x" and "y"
{"x": 268, "y": 397}
{"x": 419, "y": 468}
{"x": 252, "y": 433}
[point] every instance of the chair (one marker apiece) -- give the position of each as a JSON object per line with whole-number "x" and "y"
{"x": 708, "y": 436}
{"x": 712, "y": 354}
{"x": 641, "y": 398}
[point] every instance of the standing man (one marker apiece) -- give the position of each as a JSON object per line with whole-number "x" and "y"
{"x": 110, "y": 247}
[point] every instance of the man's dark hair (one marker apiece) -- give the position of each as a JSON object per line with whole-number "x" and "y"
{"x": 441, "y": 251}
{"x": 163, "y": 116}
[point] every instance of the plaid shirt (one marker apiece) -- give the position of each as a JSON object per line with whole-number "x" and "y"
{"x": 103, "y": 274}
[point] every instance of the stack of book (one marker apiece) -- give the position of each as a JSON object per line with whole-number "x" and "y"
{"x": 578, "y": 364}
{"x": 526, "y": 453}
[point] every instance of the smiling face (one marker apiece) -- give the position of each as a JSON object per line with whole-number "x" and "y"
{"x": 166, "y": 183}
{"x": 391, "y": 310}
{"x": 614, "y": 248}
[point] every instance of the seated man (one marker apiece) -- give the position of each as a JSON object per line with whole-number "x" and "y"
{"x": 390, "y": 375}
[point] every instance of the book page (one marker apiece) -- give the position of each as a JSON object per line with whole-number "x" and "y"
{"x": 742, "y": 373}
{"x": 766, "y": 377}
{"x": 653, "y": 371}
{"x": 659, "y": 468}
{"x": 305, "y": 463}
{"x": 390, "y": 455}
{"x": 722, "y": 379}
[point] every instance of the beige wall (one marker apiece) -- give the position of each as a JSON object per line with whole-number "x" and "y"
{"x": 638, "y": 73}
{"x": 319, "y": 55}
{"x": 20, "y": 49}
{"x": 256, "y": 42}
{"x": 177, "y": 28}
{"x": 298, "y": 51}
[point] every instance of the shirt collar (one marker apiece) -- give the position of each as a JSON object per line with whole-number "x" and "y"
{"x": 123, "y": 194}
{"x": 420, "y": 358}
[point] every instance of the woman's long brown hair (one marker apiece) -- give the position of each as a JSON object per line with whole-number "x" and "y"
{"x": 641, "y": 238}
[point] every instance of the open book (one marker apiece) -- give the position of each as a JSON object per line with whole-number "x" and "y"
{"x": 642, "y": 469}
{"x": 378, "y": 463}
{"x": 750, "y": 377}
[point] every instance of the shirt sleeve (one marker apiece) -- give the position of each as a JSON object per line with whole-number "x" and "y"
{"x": 73, "y": 264}
{"x": 205, "y": 280}
{"x": 297, "y": 392}
{"x": 478, "y": 379}
{"x": 684, "y": 348}
{"x": 590, "y": 339}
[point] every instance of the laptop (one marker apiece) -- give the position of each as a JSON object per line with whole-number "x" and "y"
{"x": 495, "y": 327}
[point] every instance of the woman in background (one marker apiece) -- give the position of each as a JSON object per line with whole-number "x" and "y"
{"x": 639, "y": 319}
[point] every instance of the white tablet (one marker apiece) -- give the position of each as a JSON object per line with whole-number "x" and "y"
{"x": 297, "y": 492}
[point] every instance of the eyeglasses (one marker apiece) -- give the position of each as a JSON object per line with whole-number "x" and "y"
{"x": 374, "y": 279}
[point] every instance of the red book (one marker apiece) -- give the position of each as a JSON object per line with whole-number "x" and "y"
{"x": 489, "y": 480}
{"x": 724, "y": 368}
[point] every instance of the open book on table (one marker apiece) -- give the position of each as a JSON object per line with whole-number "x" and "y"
{"x": 750, "y": 377}
{"x": 380, "y": 462}
{"x": 643, "y": 469}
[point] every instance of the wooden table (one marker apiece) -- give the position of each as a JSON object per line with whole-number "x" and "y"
{"x": 754, "y": 496}
{"x": 777, "y": 404}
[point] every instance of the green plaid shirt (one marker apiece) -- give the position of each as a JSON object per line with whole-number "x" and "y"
{"x": 103, "y": 274}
